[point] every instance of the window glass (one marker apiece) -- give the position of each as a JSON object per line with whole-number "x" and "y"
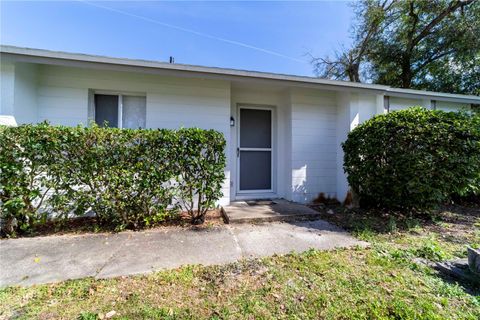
{"x": 133, "y": 112}
{"x": 106, "y": 110}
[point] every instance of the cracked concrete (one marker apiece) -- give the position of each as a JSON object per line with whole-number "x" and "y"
{"x": 49, "y": 259}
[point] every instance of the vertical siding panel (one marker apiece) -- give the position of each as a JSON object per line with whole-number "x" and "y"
{"x": 313, "y": 130}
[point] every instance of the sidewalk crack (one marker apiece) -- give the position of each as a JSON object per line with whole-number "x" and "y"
{"x": 99, "y": 270}
{"x": 237, "y": 243}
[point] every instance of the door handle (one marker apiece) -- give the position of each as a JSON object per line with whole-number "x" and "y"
{"x": 238, "y": 152}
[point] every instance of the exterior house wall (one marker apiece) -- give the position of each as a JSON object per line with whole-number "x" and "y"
{"x": 403, "y": 103}
{"x": 343, "y": 125}
{"x": 451, "y": 106}
{"x": 288, "y": 145}
{"x": 309, "y": 124}
{"x": 366, "y": 106}
{"x": 397, "y": 103}
{"x": 352, "y": 110}
{"x": 7, "y": 86}
{"x": 313, "y": 129}
{"x": 25, "y": 95}
{"x": 63, "y": 98}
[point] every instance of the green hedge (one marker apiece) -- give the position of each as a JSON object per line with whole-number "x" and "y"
{"x": 414, "y": 158}
{"x": 128, "y": 178}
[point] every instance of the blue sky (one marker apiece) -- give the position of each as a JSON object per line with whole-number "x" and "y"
{"x": 263, "y": 36}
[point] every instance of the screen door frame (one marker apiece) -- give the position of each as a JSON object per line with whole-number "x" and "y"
{"x": 271, "y": 149}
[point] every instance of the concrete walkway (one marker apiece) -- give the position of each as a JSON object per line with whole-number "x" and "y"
{"x": 30, "y": 261}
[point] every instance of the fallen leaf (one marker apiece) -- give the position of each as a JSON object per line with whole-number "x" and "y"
{"x": 110, "y": 314}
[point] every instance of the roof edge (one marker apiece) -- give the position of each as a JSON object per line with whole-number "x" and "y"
{"x": 8, "y": 49}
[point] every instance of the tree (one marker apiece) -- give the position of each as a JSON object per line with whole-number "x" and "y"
{"x": 346, "y": 65}
{"x": 430, "y": 45}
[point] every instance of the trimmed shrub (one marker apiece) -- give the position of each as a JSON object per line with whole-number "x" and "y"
{"x": 128, "y": 178}
{"x": 414, "y": 158}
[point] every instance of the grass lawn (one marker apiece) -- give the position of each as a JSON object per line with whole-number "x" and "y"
{"x": 380, "y": 282}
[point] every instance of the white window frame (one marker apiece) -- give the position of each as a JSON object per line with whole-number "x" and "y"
{"x": 271, "y": 149}
{"x": 120, "y": 95}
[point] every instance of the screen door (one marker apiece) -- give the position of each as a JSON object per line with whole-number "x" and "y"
{"x": 255, "y": 150}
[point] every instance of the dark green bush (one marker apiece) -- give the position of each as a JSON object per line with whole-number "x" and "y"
{"x": 128, "y": 178}
{"x": 414, "y": 158}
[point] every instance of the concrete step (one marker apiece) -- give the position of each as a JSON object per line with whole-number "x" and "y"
{"x": 265, "y": 211}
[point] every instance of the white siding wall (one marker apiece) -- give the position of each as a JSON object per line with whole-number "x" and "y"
{"x": 397, "y": 103}
{"x": 25, "y": 109}
{"x": 366, "y": 106}
{"x": 314, "y": 144}
{"x": 171, "y": 102}
{"x": 353, "y": 109}
{"x": 402, "y": 103}
{"x": 7, "y": 85}
{"x": 451, "y": 106}
{"x": 179, "y": 105}
{"x": 344, "y": 123}
{"x": 288, "y": 146}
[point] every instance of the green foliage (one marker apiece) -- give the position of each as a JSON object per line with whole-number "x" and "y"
{"x": 429, "y": 45}
{"x": 128, "y": 178}
{"x": 432, "y": 45}
{"x": 87, "y": 316}
{"x": 431, "y": 250}
{"x": 414, "y": 159}
{"x": 200, "y": 176}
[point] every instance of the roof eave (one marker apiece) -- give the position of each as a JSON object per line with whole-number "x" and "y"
{"x": 55, "y": 57}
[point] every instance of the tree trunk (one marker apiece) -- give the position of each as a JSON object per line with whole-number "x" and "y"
{"x": 198, "y": 219}
{"x": 354, "y": 73}
{"x": 407, "y": 74}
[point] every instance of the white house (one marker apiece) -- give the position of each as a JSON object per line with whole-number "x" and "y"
{"x": 283, "y": 132}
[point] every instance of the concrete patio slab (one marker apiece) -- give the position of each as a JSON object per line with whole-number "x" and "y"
{"x": 38, "y": 260}
{"x": 268, "y": 211}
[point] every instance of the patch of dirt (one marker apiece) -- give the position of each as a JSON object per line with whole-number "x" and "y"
{"x": 82, "y": 225}
{"x": 455, "y": 220}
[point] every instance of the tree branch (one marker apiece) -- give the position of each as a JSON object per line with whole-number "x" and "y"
{"x": 451, "y": 8}
{"x": 433, "y": 58}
